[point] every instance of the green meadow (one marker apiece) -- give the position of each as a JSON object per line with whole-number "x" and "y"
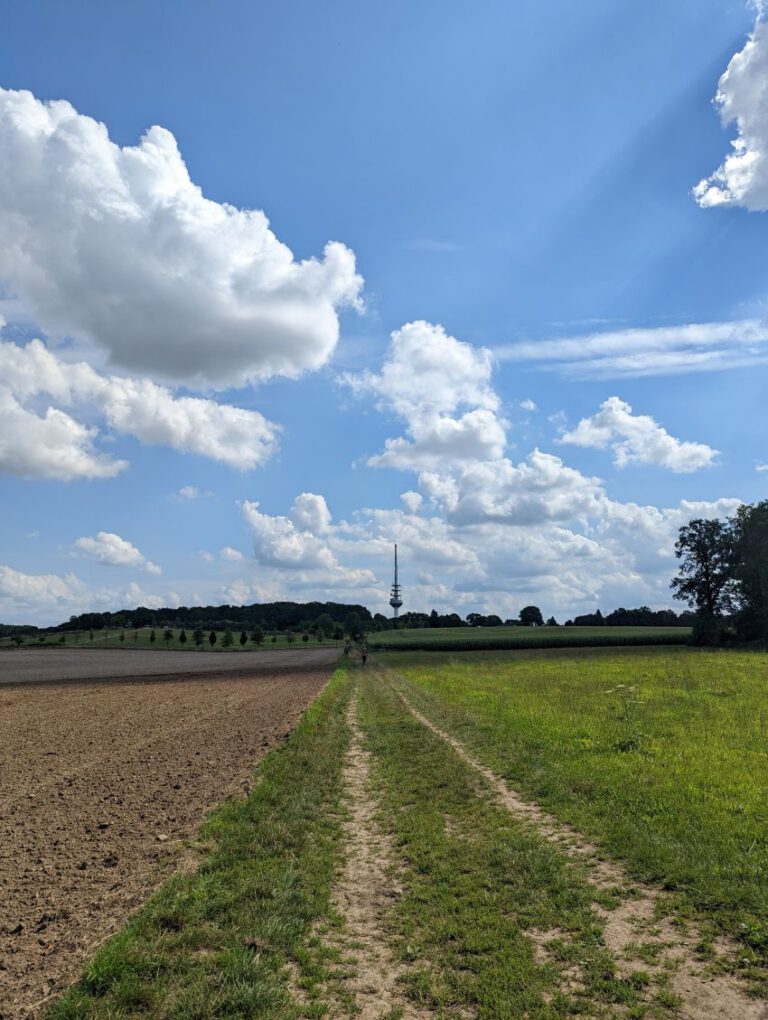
{"x": 658, "y": 755}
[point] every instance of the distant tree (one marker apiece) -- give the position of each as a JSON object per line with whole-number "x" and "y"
{"x": 18, "y": 639}
{"x": 167, "y": 635}
{"x": 530, "y": 616}
{"x": 228, "y": 639}
{"x": 243, "y": 638}
{"x": 257, "y": 635}
{"x": 492, "y": 620}
{"x": 152, "y": 636}
{"x": 183, "y": 637}
{"x": 135, "y": 636}
{"x": 433, "y": 619}
{"x": 338, "y": 633}
{"x": 705, "y": 549}
{"x": 62, "y": 639}
{"x": 353, "y": 626}
{"x": 305, "y": 637}
{"x": 274, "y": 639}
{"x": 90, "y": 635}
{"x": 476, "y": 619}
{"x": 198, "y": 636}
{"x": 552, "y": 622}
{"x": 212, "y": 638}
{"x": 122, "y": 635}
{"x": 324, "y": 624}
{"x": 290, "y": 637}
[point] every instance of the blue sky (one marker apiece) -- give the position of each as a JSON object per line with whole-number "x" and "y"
{"x": 511, "y": 176}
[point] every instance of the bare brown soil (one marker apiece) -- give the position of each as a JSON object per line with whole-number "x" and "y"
{"x": 638, "y": 919}
{"x": 43, "y": 665}
{"x": 100, "y": 784}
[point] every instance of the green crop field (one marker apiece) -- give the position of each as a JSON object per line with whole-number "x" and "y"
{"x": 469, "y": 638}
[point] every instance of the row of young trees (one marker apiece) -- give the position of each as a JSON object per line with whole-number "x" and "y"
{"x": 723, "y": 575}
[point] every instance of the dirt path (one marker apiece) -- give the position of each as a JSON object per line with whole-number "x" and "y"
{"x": 99, "y": 786}
{"x": 635, "y": 921}
{"x": 363, "y": 896}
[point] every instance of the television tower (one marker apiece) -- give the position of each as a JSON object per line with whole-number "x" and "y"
{"x": 395, "y": 601}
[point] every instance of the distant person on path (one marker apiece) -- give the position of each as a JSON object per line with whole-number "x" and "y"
{"x": 364, "y": 654}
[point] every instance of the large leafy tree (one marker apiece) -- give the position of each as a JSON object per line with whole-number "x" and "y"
{"x": 705, "y": 549}
{"x": 530, "y": 616}
{"x": 750, "y": 569}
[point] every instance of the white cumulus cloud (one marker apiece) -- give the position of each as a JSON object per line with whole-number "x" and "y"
{"x": 287, "y": 543}
{"x": 310, "y": 512}
{"x": 231, "y": 555}
{"x": 638, "y": 439}
{"x": 111, "y": 549}
{"x": 742, "y": 98}
{"x": 49, "y": 445}
{"x": 55, "y": 445}
{"x": 38, "y": 591}
{"x": 117, "y": 247}
{"x": 441, "y": 388}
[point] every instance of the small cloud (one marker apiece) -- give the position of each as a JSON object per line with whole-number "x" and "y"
{"x": 205, "y": 556}
{"x": 114, "y": 551}
{"x": 190, "y": 492}
{"x": 36, "y": 533}
{"x": 638, "y": 439}
{"x": 761, "y": 467}
{"x": 230, "y": 554}
{"x": 412, "y": 500}
{"x": 528, "y": 405}
{"x": 559, "y": 419}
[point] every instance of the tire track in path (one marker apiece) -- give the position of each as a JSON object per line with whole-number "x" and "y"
{"x": 364, "y": 894}
{"x": 636, "y": 920}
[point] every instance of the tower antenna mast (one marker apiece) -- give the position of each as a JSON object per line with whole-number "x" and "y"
{"x": 395, "y": 600}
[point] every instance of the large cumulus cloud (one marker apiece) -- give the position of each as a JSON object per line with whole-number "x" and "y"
{"x": 742, "y": 98}
{"x": 48, "y": 442}
{"x": 116, "y": 246}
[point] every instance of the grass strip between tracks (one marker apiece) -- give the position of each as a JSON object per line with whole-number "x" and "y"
{"x": 480, "y": 888}
{"x": 217, "y": 942}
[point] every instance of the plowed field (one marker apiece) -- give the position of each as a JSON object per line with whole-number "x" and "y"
{"x": 101, "y": 782}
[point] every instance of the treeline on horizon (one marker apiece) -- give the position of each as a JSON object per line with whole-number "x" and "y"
{"x": 345, "y": 618}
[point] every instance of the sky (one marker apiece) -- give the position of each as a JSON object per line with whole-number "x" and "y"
{"x": 282, "y": 284}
